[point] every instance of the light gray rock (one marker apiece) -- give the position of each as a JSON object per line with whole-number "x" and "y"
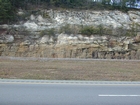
{"x": 1, "y": 41}
{"x": 80, "y": 37}
{"x": 51, "y": 40}
{"x": 134, "y": 16}
{"x": 32, "y": 17}
{"x": 44, "y": 39}
{"x": 7, "y": 39}
{"x": 40, "y": 18}
{"x": 4, "y": 26}
{"x": 20, "y": 12}
{"x": 126, "y": 42}
{"x": 31, "y": 26}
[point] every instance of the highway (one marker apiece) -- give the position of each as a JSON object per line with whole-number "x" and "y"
{"x": 44, "y": 92}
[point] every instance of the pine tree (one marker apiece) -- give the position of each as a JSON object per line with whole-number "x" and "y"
{"x": 6, "y": 11}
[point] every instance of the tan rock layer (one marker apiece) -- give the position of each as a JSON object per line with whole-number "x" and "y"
{"x": 66, "y": 51}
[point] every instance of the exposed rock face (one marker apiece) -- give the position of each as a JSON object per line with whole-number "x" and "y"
{"x": 25, "y": 40}
{"x": 74, "y": 46}
{"x": 109, "y": 19}
{"x": 56, "y": 18}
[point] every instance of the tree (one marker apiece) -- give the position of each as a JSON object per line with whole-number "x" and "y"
{"x": 6, "y": 11}
{"x": 132, "y": 2}
{"x": 17, "y": 3}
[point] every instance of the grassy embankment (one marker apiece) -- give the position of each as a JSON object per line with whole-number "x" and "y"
{"x": 70, "y": 70}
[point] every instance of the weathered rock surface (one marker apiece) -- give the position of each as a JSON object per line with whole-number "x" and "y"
{"x": 25, "y": 40}
{"x": 56, "y": 18}
{"x": 74, "y": 46}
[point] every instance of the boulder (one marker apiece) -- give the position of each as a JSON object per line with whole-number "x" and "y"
{"x": 40, "y": 18}
{"x": 7, "y": 39}
{"x": 31, "y": 26}
{"x": 80, "y": 37}
{"x": 44, "y": 39}
{"x": 62, "y": 38}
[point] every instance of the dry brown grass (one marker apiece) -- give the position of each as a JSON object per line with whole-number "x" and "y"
{"x": 70, "y": 70}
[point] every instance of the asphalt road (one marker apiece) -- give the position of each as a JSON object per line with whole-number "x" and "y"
{"x": 30, "y": 92}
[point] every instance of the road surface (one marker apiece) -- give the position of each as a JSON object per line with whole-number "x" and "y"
{"x": 40, "y": 92}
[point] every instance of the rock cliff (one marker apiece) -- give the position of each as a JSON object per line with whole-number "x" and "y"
{"x": 24, "y": 39}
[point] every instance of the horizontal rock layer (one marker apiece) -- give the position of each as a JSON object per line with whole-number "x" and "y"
{"x": 78, "y": 46}
{"x": 56, "y": 18}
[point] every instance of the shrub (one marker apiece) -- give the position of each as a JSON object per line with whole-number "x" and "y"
{"x": 69, "y": 29}
{"x": 108, "y": 31}
{"x": 45, "y": 15}
{"x": 100, "y": 29}
{"x": 50, "y": 32}
{"x": 120, "y": 31}
{"x": 133, "y": 30}
{"x": 89, "y": 30}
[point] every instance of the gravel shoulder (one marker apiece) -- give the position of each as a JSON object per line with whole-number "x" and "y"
{"x": 69, "y": 69}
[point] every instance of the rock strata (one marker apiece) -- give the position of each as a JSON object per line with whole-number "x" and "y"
{"x": 58, "y": 18}
{"x": 72, "y": 46}
{"x": 26, "y": 39}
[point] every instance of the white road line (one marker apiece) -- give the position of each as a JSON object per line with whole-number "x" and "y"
{"x": 119, "y": 95}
